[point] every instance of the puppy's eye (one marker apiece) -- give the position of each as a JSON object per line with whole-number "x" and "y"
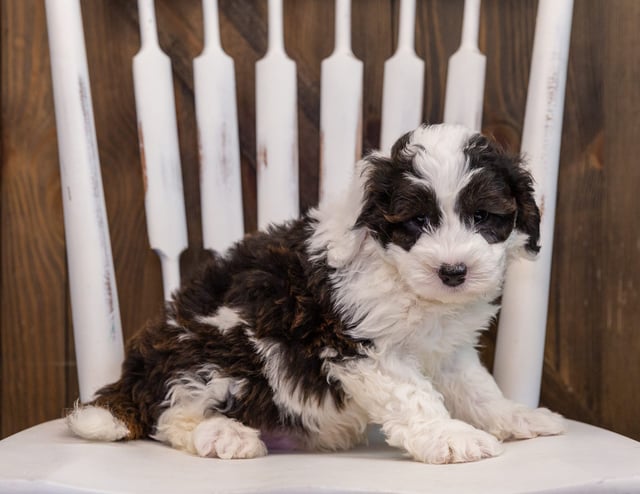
{"x": 419, "y": 222}
{"x": 480, "y": 216}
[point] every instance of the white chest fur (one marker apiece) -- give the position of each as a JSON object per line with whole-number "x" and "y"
{"x": 441, "y": 333}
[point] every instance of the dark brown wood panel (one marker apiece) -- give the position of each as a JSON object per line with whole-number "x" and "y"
{"x": 590, "y": 368}
{"x": 33, "y": 307}
{"x": 619, "y": 267}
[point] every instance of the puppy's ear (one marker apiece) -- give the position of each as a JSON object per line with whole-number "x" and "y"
{"x": 485, "y": 152}
{"x": 380, "y": 176}
{"x": 528, "y": 216}
{"x": 376, "y": 172}
{"x": 400, "y": 147}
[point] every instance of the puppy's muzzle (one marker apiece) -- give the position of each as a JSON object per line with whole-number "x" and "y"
{"x": 453, "y": 274}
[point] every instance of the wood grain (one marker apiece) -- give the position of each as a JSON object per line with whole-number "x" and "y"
{"x": 620, "y": 268}
{"x": 590, "y": 370}
{"x": 33, "y": 307}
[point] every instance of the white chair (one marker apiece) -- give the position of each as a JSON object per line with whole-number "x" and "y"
{"x": 48, "y": 459}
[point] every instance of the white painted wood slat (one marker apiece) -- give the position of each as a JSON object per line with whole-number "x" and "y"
{"x": 94, "y": 297}
{"x": 276, "y": 128}
{"x": 466, "y": 74}
{"x": 159, "y": 150}
{"x": 523, "y": 320}
{"x": 217, "y": 120}
{"x": 340, "y": 109}
{"x": 403, "y": 85}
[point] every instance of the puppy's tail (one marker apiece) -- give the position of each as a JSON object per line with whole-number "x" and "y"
{"x": 112, "y": 416}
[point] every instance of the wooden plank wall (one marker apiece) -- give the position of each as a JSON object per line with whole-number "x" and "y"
{"x": 591, "y": 365}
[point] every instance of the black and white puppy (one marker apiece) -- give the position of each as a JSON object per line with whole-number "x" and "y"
{"x": 365, "y": 310}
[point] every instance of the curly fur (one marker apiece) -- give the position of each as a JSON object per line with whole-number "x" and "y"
{"x": 365, "y": 310}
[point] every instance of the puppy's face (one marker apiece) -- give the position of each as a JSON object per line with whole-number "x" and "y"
{"x": 447, "y": 209}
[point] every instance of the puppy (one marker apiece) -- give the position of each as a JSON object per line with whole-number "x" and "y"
{"x": 365, "y": 310}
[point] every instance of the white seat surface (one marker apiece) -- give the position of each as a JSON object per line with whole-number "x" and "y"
{"x": 48, "y": 459}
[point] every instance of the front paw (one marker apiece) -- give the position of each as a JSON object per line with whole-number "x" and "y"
{"x": 520, "y": 422}
{"x": 450, "y": 441}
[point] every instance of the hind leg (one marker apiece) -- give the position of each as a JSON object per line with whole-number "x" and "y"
{"x": 217, "y": 436}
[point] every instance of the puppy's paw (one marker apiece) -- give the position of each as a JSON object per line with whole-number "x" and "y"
{"x": 452, "y": 441}
{"x": 520, "y": 422}
{"x": 227, "y": 439}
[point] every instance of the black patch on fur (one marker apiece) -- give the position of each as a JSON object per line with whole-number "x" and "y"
{"x": 500, "y": 192}
{"x": 395, "y": 209}
{"x": 284, "y": 299}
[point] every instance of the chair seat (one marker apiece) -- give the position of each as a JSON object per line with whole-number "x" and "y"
{"x": 47, "y": 459}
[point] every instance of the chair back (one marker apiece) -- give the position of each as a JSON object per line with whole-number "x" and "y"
{"x": 96, "y": 319}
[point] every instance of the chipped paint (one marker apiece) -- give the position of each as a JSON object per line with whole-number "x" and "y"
{"x": 552, "y": 89}
{"x": 143, "y": 160}
{"x": 262, "y": 156}
{"x": 92, "y": 289}
{"x": 200, "y": 154}
{"x": 359, "y": 133}
{"x": 98, "y": 202}
{"x": 225, "y": 163}
{"x": 294, "y": 169}
{"x": 321, "y": 178}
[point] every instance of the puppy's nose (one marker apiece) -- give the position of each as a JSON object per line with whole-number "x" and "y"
{"x": 453, "y": 274}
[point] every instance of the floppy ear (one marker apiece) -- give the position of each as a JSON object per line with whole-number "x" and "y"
{"x": 528, "y": 215}
{"x": 376, "y": 190}
{"x": 378, "y": 171}
{"x": 367, "y": 201}
{"x": 483, "y": 151}
{"x": 399, "y": 148}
